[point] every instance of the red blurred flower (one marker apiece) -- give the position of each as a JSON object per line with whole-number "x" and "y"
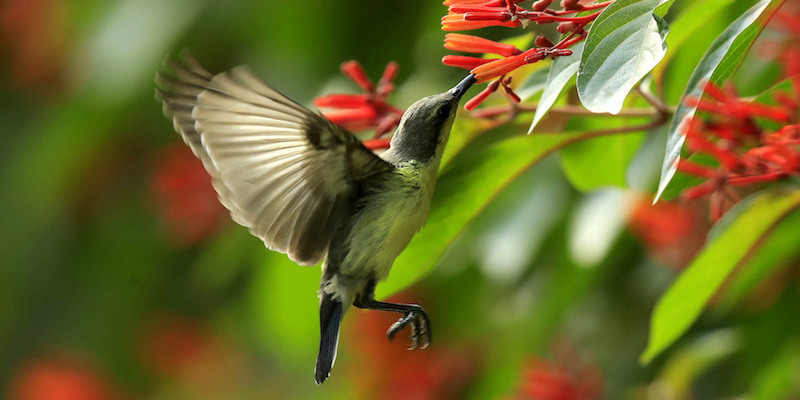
{"x": 672, "y": 232}
{"x": 745, "y": 154}
{"x": 59, "y": 378}
{"x": 565, "y": 379}
{"x": 470, "y": 14}
{"x": 186, "y": 353}
{"x": 371, "y": 109}
{"x": 390, "y": 371}
{"x": 184, "y": 197}
{"x": 33, "y": 33}
{"x": 172, "y": 345}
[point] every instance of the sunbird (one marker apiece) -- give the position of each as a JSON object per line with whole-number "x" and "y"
{"x": 310, "y": 189}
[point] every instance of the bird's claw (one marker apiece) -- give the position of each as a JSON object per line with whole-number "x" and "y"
{"x": 420, "y": 329}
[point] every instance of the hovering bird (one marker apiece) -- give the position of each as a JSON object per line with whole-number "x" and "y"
{"x": 310, "y": 189}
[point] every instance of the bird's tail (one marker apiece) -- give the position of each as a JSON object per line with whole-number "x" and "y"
{"x": 330, "y": 317}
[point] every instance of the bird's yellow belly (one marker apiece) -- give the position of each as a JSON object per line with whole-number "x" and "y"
{"x": 384, "y": 230}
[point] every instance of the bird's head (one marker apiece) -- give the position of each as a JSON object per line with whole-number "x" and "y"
{"x": 425, "y": 126}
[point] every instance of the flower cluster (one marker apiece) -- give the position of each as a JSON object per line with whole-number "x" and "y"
{"x": 184, "y": 197}
{"x": 60, "y": 377}
{"x": 384, "y": 369}
{"x": 475, "y": 14}
{"x": 671, "y": 231}
{"x": 552, "y": 380}
{"x": 743, "y": 152}
{"x": 371, "y": 109}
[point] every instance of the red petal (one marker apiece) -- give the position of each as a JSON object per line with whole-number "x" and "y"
{"x": 465, "y": 62}
{"x": 475, "y": 44}
{"x": 354, "y": 71}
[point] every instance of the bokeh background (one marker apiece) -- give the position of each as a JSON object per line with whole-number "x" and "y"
{"x": 121, "y": 277}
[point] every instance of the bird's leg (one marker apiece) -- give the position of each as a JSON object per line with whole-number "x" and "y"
{"x": 414, "y": 316}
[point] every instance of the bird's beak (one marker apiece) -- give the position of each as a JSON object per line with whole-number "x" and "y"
{"x": 462, "y": 86}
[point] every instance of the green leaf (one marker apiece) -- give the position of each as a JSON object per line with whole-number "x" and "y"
{"x": 464, "y": 189}
{"x": 625, "y": 42}
{"x": 533, "y": 84}
{"x": 684, "y": 181}
{"x": 693, "y": 18}
{"x": 778, "y": 251}
{"x": 284, "y": 306}
{"x": 599, "y": 162}
{"x": 716, "y": 66}
{"x": 561, "y": 72}
{"x": 684, "y": 301}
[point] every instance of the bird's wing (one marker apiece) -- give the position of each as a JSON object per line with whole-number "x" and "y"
{"x": 282, "y": 170}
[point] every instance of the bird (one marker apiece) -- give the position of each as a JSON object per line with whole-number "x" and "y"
{"x": 310, "y": 189}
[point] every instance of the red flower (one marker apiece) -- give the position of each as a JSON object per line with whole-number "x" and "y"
{"x": 565, "y": 379}
{"x": 388, "y": 370}
{"x": 371, "y": 109}
{"x": 672, "y": 232}
{"x": 465, "y": 62}
{"x": 184, "y": 197}
{"x": 59, "y": 378}
{"x": 475, "y": 44}
{"x": 34, "y": 35}
{"x": 473, "y": 14}
{"x": 743, "y": 152}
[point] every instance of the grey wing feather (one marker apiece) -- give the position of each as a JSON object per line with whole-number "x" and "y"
{"x": 282, "y": 170}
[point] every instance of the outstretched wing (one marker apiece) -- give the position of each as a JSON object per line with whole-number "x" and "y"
{"x": 282, "y": 170}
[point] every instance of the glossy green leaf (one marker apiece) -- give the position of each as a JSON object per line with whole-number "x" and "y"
{"x": 684, "y": 301}
{"x": 716, "y": 66}
{"x": 624, "y": 44}
{"x": 599, "y": 162}
{"x": 778, "y": 251}
{"x": 685, "y": 26}
{"x": 560, "y": 73}
{"x": 533, "y": 84}
{"x": 464, "y": 189}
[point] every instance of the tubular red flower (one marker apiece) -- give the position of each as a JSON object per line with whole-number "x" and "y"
{"x": 696, "y": 169}
{"x": 541, "y": 5}
{"x": 491, "y": 16}
{"x": 342, "y": 101}
{"x": 571, "y": 5}
{"x": 465, "y": 62}
{"x": 389, "y": 74}
{"x": 754, "y": 179}
{"x": 457, "y": 22}
{"x": 367, "y": 110}
{"x": 480, "y": 97}
{"x": 353, "y": 70}
{"x": 353, "y": 118}
{"x": 475, "y": 44}
{"x": 482, "y": 2}
{"x": 376, "y": 144}
{"x": 499, "y": 8}
{"x": 542, "y": 41}
{"x": 475, "y": 14}
{"x": 789, "y": 134}
{"x": 700, "y": 190}
{"x": 503, "y": 66}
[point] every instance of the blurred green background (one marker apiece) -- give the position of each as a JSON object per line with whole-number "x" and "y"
{"x": 121, "y": 277}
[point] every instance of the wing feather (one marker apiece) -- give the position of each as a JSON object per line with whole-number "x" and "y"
{"x": 282, "y": 170}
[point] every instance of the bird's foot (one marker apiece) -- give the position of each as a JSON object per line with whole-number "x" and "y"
{"x": 420, "y": 328}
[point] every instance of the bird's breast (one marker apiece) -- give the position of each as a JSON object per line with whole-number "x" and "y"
{"x": 390, "y": 218}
